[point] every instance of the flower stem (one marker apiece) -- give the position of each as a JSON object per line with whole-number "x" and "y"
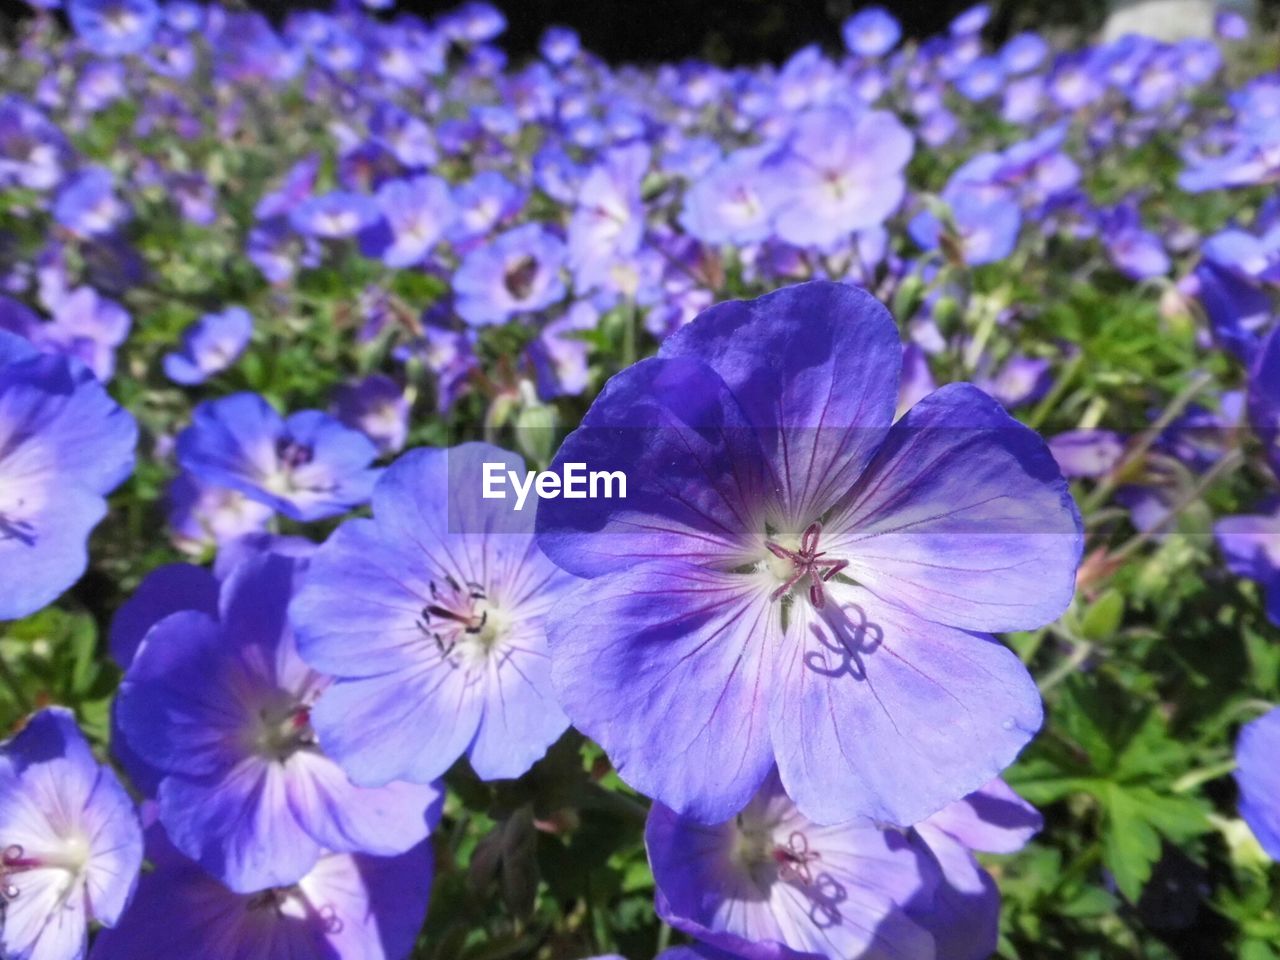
{"x": 1145, "y": 442}
{"x": 1227, "y": 464}
{"x": 11, "y": 681}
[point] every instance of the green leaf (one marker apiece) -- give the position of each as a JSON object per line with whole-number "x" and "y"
{"x": 1103, "y": 617}
{"x": 1131, "y": 845}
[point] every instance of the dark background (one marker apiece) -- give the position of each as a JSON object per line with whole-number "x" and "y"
{"x": 726, "y": 31}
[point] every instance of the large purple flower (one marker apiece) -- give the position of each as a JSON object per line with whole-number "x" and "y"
{"x": 70, "y": 842}
{"x": 64, "y": 445}
{"x": 795, "y": 578}
{"x": 770, "y": 884}
{"x": 1258, "y": 776}
{"x": 308, "y": 465}
{"x": 220, "y": 708}
{"x": 347, "y": 907}
{"x": 431, "y": 616}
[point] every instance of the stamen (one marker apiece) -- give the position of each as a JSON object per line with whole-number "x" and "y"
{"x": 14, "y": 860}
{"x": 462, "y": 605}
{"x": 292, "y": 454}
{"x": 807, "y": 562}
{"x": 795, "y": 858}
{"x": 330, "y": 919}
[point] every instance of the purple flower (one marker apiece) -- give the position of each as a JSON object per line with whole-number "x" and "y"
{"x": 983, "y": 78}
{"x": 348, "y": 907}
{"x": 431, "y": 616}
{"x": 971, "y": 20}
{"x": 86, "y": 326}
{"x": 448, "y": 354}
{"x": 734, "y": 201}
{"x": 1023, "y": 52}
{"x": 64, "y": 445}
{"x": 871, "y": 32}
{"x": 113, "y": 28}
{"x": 307, "y": 466}
{"x": 294, "y": 189}
{"x": 334, "y": 216}
{"x": 87, "y": 204}
{"x": 1251, "y": 546}
{"x": 608, "y": 220}
{"x": 203, "y": 517}
{"x": 519, "y": 272}
{"x": 1021, "y": 380}
{"x": 72, "y": 841}
{"x": 1248, "y": 256}
{"x": 376, "y": 406}
{"x": 34, "y": 153}
{"x": 983, "y": 225}
{"x": 407, "y": 136}
{"x": 770, "y": 884}
{"x": 560, "y": 353}
{"x": 484, "y": 203}
{"x": 1137, "y": 253}
{"x": 1087, "y": 453}
{"x": 840, "y": 171}
{"x": 1239, "y": 311}
{"x": 559, "y": 45}
{"x": 1264, "y": 398}
{"x": 209, "y": 346}
{"x": 786, "y": 568}
{"x": 1258, "y": 776}
{"x": 414, "y": 216}
{"x": 964, "y": 916}
{"x": 1230, "y": 25}
{"x": 220, "y": 706}
{"x": 475, "y": 22}
{"x": 278, "y": 252}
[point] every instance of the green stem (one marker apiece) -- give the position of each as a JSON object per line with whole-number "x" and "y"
{"x": 1145, "y": 442}
{"x": 1228, "y": 463}
{"x": 1047, "y": 405}
{"x": 629, "y": 335}
{"x": 664, "y": 938}
{"x": 1080, "y": 652}
{"x": 11, "y": 681}
{"x": 1194, "y": 778}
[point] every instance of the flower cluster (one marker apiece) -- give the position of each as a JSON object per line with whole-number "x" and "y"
{"x": 945, "y": 380}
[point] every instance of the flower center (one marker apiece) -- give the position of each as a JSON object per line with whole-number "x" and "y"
{"x": 460, "y": 618}
{"x": 519, "y": 277}
{"x": 72, "y": 858}
{"x": 767, "y": 858}
{"x": 284, "y": 731}
{"x": 293, "y": 454}
{"x": 293, "y": 902}
{"x": 792, "y": 563}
